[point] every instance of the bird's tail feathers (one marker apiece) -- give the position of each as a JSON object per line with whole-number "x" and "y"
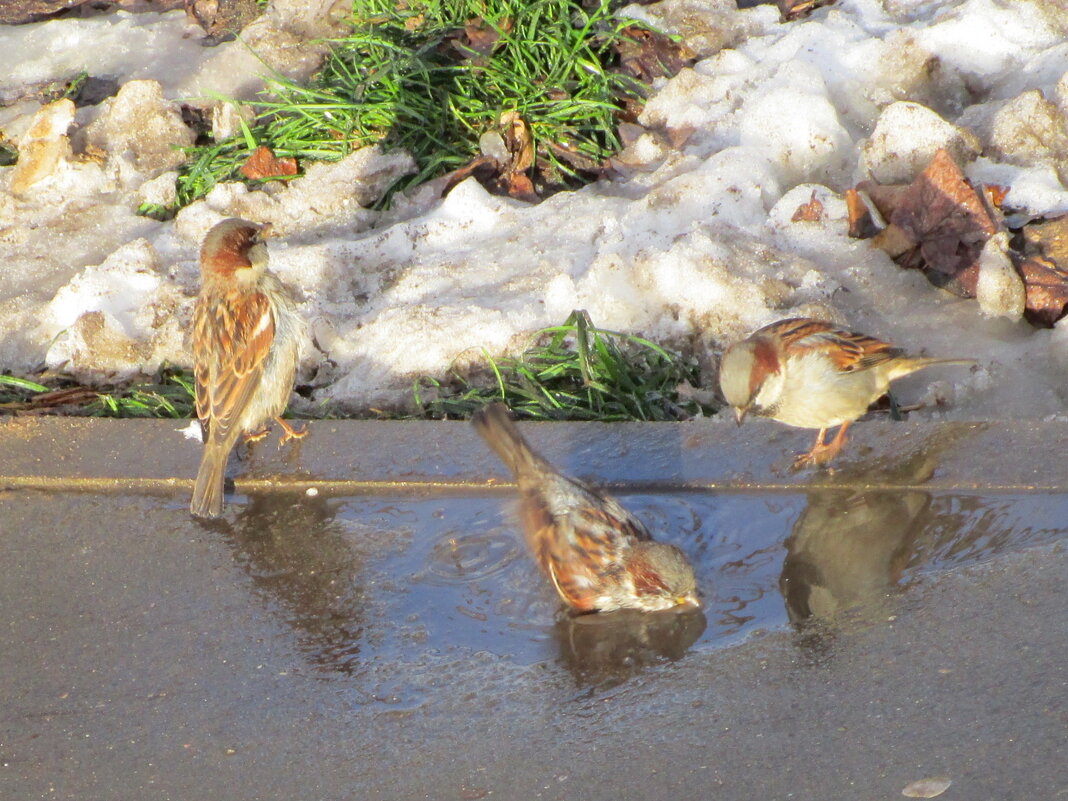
{"x": 914, "y": 363}
{"x": 496, "y": 427}
{"x": 208, "y": 491}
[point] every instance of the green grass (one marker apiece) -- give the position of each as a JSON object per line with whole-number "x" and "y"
{"x": 16, "y": 390}
{"x": 171, "y": 395}
{"x": 574, "y": 371}
{"x": 404, "y": 78}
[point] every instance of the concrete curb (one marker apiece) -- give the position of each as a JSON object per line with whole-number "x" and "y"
{"x": 360, "y": 457}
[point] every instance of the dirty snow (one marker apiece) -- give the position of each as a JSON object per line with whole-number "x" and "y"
{"x": 692, "y": 244}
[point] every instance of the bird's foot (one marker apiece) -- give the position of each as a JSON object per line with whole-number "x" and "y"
{"x": 822, "y": 452}
{"x": 817, "y": 457}
{"x": 290, "y": 432}
{"x": 257, "y": 435}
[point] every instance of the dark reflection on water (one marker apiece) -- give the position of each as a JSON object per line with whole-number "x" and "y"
{"x": 848, "y": 549}
{"x": 301, "y": 559}
{"x": 606, "y": 650}
{"x": 850, "y": 553}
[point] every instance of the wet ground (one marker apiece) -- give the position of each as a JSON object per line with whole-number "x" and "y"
{"x": 386, "y": 636}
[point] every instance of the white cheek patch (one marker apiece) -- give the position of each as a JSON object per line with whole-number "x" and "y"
{"x": 770, "y": 391}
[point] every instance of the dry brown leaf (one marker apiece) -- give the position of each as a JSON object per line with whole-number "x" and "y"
{"x": 809, "y": 212}
{"x": 995, "y": 193}
{"x": 480, "y": 164}
{"x": 944, "y": 214}
{"x": 482, "y": 38}
{"x": 1048, "y": 238}
{"x": 798, "y": 9}
{"x": 680, "y": 136}
{"x": 577, "y": 160}
{"x": 894, "y": 240}
{"x": 861, "y": 224}
{"x": 517, "y": 139}
{"x": 629, "y": 133}
{"x": 1047, "y": 291}
{"x": 885, "y": 197}
{"x": 414, "y": 22}
{"x": 927, "y": 788}
{"x": 520, "y": 187}
{"x": 646, "y": 54}
{"x": 263, "y": 164}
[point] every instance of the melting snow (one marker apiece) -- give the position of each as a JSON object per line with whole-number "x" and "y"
{"x": 692, "y": 245}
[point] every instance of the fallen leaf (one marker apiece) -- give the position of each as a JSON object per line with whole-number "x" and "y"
{"x": 482, "y": 37}
{"x": 861, "y": 224}
{"x": 942, "y": 212}
{"x": 797, "y": 9}
{"x": 885, "y": 197}
{"x": 629, "y": 133}
{"x": 263, "y": 164}
{"x": 520, "y": 187}
{"x": 517, "y": 139}
{"x": 414, "y": 22}
{"x": 680, "y": 136}
{"x": 894, "y": 240}
{"x": 577, "y": 160}
{"x": 927, "y": 788}
{"x": 482, "y": 165}
{"x": 995, "y": 194}
{"x": 1046, "y": 284}
{"x": 1048, "y": 238}
{"x": 646, "y": 54}
{"x": 809, "y": 212}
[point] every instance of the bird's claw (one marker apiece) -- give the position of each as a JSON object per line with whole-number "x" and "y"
{"x": 289, "y": 432}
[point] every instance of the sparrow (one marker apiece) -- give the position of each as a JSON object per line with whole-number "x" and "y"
{"x": 246, "y": 346}
{"x": 597, "y": 555}
{"x": 811, "y": 374}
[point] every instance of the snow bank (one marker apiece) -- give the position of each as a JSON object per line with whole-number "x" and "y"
{"x": 694, "y": 244}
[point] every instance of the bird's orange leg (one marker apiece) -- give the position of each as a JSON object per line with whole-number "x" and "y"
{"x": 822, "y": 453}
{"x": 258, "y": 434}
{"x": 290, "y": 432}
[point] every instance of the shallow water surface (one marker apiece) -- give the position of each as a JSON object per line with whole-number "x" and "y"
{"x": 446, "y": 574}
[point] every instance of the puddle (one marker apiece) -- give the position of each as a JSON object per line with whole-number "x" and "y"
{"x": 388, "y": 582}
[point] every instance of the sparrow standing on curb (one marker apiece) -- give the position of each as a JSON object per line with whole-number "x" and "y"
{"x": 810, "y": 374}
{"x": 598, "y": 556}
{"x": 246, "y": 346}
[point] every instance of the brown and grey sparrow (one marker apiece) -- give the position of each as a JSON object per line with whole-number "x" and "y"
{"x": 597, "y": 555}
{"x": 811, "y": 374}
{"x": 246, "y": 346}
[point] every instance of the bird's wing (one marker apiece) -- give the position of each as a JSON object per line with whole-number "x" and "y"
{"x": 847, "y": 350}
{"x": 232, "y": 337}
{"x": 579, "y": 538}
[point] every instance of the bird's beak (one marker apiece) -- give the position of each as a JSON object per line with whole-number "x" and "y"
{"x": 740, "y": 413}
{"x": 688, "y": 600}
{"x": 265, "y": 230}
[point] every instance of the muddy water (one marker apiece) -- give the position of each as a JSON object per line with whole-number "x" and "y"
{"x": 403, "y": 647}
